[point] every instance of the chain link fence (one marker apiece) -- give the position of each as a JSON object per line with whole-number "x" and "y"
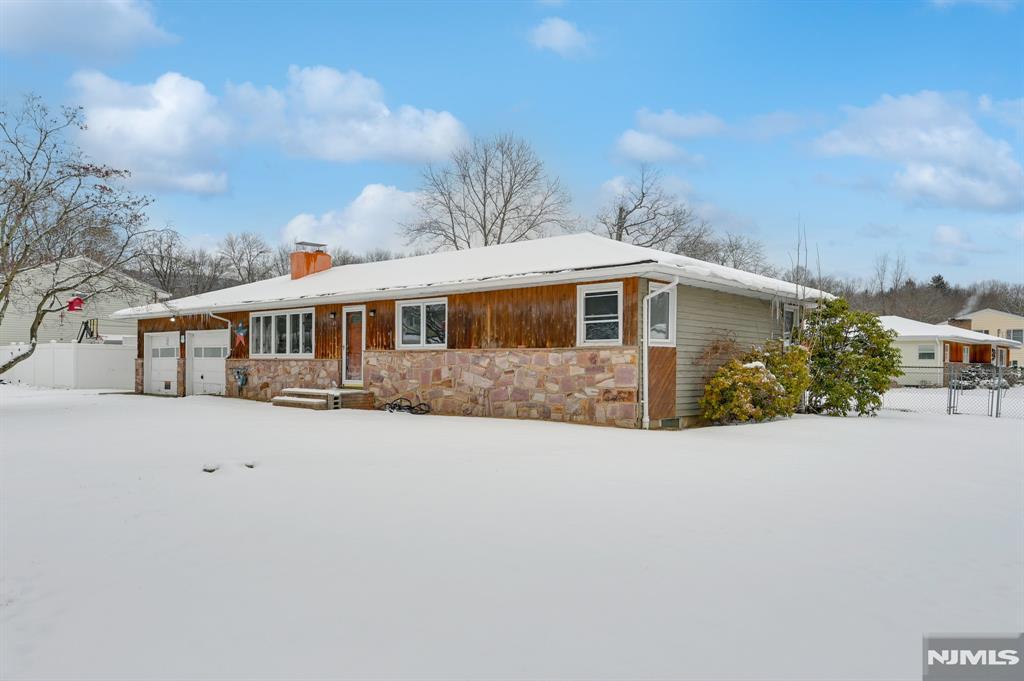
{"x": 980, "y": 389}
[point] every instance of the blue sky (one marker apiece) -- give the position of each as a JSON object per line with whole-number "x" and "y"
{"x": 883, "y": 127}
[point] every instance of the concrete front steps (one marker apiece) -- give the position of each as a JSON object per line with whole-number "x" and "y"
{"x": 324, "y": 398}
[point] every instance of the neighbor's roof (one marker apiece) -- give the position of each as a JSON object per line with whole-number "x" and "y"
{"x": 910, "y": 329}
{"x": 575, "y": 257}
{"x": 969, "y": 315}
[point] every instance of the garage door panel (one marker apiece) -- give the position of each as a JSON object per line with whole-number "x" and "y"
{"x": 208, "y": 352}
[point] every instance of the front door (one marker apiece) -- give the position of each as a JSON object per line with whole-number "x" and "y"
{"x": 354, "y": 342}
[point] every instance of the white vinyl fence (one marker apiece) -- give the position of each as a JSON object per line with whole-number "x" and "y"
{"x": 73, "y": 365}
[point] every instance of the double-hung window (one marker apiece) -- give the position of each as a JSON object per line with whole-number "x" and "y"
{"x": 599, "y": 314}
{"x": 284, "y": 333}
{"x": 422, "y": 323}
{"x": 661, "y": 316}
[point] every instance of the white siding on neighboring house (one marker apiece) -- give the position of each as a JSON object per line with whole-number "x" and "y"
{"x": 702, "y": 317}
{"x": 918, "y": 371}
{"x": 65, "y": 327}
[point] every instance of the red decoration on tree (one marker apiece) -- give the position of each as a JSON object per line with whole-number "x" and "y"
{"x": 75, "y": 304}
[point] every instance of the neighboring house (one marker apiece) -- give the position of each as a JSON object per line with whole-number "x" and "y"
{"x": 66, "y": 326}
{"x": 928, "y": 348}
{"x": 995, "y": 323}
{"x": 547, "y": 329}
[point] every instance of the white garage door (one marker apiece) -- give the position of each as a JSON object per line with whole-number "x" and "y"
{"x": 161, "y": 369}
{"x": 207, "y": 352}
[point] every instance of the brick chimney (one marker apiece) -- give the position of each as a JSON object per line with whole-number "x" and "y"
{"x": 309, "y": 258}
{"x": 960, "y": 323}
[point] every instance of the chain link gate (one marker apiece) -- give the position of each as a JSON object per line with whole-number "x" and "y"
{"x": 977, "y": 389}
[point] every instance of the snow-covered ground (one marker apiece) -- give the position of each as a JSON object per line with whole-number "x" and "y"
{"x": 373, "y": 545}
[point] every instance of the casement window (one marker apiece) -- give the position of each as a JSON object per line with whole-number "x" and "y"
{"x": 282, "y": 333}
{"x": 661, "y": 318}
{"x": 422, "y": 324}
{"x": 599, "y": 314}
{"x": 926, "y": 352}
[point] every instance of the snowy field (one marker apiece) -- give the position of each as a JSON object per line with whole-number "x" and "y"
{"x": 388, "y": 546}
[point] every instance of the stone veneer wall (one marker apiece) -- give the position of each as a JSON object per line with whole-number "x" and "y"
{"x": 597, "y": 386}
{"x": 140, "y": 378}
{"x": 268, "y": 377}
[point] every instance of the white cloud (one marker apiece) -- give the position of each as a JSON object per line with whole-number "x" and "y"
{"x": 85, "y": 28}
{"x": 946, "y": 158}
{"x": 166, "y": 133}
{"x": 560, "y": 36}
{"x": 774, "y": 124}
{"x": 671, "y": 124}
{"x": 1007, "y": 111}
{"x": 646, "y": 147}
{"x": 951, "y": 246}
{"x": 341, "y": 116}
{"x": 372, "y": 220}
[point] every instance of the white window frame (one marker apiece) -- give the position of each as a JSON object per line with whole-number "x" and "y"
{"x": 288, "y": 334}
{"x": 671, "y": 293}
{"x": 422, "y": 304}
{"x": 927, "y": 347}
{"x": 581, "y": 292}
{"x": 965, "y": 357}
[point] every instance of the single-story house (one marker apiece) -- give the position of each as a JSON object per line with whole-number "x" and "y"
{"x": 927, "y": 349}
{"x": 995, "y": 323}
{"x": 572, "y": 328}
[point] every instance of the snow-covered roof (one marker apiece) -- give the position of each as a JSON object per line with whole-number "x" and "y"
{"x": 525, "y": 263}
{"x": 970, "y": 315}
{"x": 911, "y": 329}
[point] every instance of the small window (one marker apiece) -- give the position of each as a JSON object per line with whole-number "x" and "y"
{"x": 214, "y": 352}
{"x": 197, "y": 351}
{"x": 599, "y": 314}
{"x": 926, "y": 352}
{"x": 790, "y": 322}
{"x": 168, "y": 352}
{"x": 155, "y": 352}
{"x": 1015, "y": 335}
{"x": 307, "y": 333}
{"x": 423, "y": 324}
{"x": 661, "y": 322}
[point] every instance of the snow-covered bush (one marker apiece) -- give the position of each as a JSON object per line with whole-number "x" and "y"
{"x": 742, "y": 391}
{"x": 789, "y": 366}
{"x": 853, "y": 359}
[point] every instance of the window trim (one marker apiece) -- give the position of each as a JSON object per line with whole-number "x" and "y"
{"x": 287, "y": 312}
{"x": 422, "y": 304}
{"x": 669, "y": 342}
{"x": 581, "y": 291}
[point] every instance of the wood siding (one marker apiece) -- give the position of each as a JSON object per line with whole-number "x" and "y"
{"x": 534, "y": 317}
{"x": 703, "y": 316}
{"x": 184, "y": 323}
{"x": 662, "y": 389}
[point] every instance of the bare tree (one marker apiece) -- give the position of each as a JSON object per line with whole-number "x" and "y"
{"x": 247, "y": 256}
{"x": 161, "y": 260}
{"x": 201, "y": 271}
{"x": 343, "y": 256}
{"x": 644, "y": 213}
{"x": 743, "y": 253}
{"x": 281, "y": 260}
{"x": 493, "y": 191}
{"x": 67, "y": 225}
